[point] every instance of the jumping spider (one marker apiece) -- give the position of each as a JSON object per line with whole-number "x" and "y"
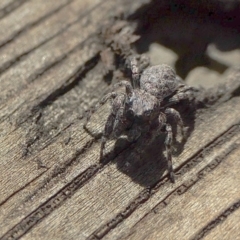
{"x": 146, "y": 103}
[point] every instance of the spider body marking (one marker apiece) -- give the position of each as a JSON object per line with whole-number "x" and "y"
{"x": 147, "y": 101}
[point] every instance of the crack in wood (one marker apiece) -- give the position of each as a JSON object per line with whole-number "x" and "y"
{"x": 68, "y": 83}
{"x": 20, "y": 57}
{"x": 189, "y": 164}
{"x": 37, "y": 111}
{"x": 31, "y": 25}
{"x": 51, "y": 204}
{"x": 12, "y": 6}
{"x": 214, "y": 223}
{"x": 59, "y": 171}
{"x": 61, "y": 196}
{"x": 23, "y": 187}
{"x": 77, "y": 75}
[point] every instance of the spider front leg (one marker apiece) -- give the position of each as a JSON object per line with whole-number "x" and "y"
{"x": 114, "y": 122}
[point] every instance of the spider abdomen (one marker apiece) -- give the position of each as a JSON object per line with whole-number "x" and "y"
{"x": 159, "y": 81}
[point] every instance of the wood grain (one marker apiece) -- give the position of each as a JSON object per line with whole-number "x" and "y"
{"x": 52, "y": 184}
{"x": 200, "y": 205}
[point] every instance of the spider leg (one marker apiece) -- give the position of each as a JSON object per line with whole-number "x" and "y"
{"x": 171, "y": 112}
{"x": 168, "y": 145}
{"x": 111, "y": 95}
{"x": 113, "y": 124}
{"x": 121, "y": 122}
{"x": 126, "y": 84}
{"x": 183, "y": 93}
{"x": 106, "y": 133}
{"x": 138, "y": 64}
{"x": 168, "y": 142}
{"x": 144, "y": 62}
{"x": 135, "y": 72}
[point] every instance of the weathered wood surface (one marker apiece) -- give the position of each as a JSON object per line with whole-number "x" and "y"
{"x": 52, "y": 185}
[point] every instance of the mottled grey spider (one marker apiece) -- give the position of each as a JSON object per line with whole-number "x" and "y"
{"x": 146, "y": 103}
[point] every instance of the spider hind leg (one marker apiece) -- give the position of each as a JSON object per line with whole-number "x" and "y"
{"x": 168, "y": 145}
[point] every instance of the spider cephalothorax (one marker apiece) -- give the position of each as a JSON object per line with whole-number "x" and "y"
{"x": 146, "y": 102}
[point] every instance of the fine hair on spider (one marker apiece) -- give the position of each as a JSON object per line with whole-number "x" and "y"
{"x": 148, "y": 101}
